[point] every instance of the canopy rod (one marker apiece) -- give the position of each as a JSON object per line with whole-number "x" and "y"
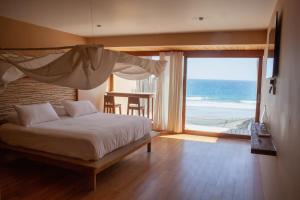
{"x": 43, "y": 48}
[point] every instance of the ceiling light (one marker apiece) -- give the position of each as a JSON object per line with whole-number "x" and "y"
{"x": 198, "y": 18}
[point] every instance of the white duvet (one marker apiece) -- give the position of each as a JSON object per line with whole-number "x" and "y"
{"x": 88, "y": 137}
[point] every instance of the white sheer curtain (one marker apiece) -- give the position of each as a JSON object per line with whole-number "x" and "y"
{"x": 175, "y": 92}
{"x": 148, "y": 84}
{"x": 84, "y": 66}
{"x": 160, "y": 117}
{"x": 169, "y": 96}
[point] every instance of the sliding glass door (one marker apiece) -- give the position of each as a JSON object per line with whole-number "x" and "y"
{"x": 220, "y": 94}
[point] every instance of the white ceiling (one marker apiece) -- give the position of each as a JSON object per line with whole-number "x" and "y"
{"x": 124, "y": 17}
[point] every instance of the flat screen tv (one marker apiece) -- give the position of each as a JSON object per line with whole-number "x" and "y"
{"x": 274, "y": 48}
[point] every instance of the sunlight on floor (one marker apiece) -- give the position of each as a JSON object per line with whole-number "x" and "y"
{"x": 212, "y": 129}
{"x": 187, "y": 137}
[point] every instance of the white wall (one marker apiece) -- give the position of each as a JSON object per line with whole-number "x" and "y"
{"x": 281, "y": 174}
{"x": 96, "y": 95}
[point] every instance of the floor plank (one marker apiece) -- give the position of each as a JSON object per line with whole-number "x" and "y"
{"x": 183, "y": 167}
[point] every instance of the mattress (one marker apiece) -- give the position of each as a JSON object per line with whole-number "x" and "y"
{"x": 88, "y": 137}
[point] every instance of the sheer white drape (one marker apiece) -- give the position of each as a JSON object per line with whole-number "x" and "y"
{"x": 82, "y": 66}
{"x": 160, "y": 117}
{"x": 169, "y": 96}
{"x": 146, "y": 85}
{"x": 175, "y": 93}
{"x": 149, "y": 83}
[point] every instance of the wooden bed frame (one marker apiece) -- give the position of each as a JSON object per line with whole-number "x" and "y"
{"x": 41, "y": 93}
{"x": 90, "y": 168}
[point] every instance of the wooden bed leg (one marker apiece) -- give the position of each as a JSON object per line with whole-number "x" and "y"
{"x": 92, "y": 178}
{"x": 149, "y": 147}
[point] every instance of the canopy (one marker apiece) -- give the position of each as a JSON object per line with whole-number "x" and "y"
{"x": 82, "y": 66}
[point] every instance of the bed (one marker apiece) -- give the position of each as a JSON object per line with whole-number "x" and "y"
{"x": 65, "y": 135}
{"x": 88, "y": 143}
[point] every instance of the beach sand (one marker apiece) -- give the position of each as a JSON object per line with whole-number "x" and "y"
{"x": 221, "y": 117}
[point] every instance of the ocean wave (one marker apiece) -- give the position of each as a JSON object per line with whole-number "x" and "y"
{"x": 203, "y": 98}
{"x": 248, "y": 101}
{"x": 198, "y": 98}
{"x": 221, "y": 104}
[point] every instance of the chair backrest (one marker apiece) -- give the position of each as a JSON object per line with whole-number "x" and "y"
{"x": 134, "y": 100}
{"x": 109, "y": 100}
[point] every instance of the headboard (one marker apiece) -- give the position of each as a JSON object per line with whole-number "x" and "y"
{"x": 29, "y": 91}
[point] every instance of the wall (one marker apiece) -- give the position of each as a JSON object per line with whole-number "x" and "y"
{"x": 96, "y": 95}
{"x": 17, "y": 34}
{"x": 281, "y": 174}
{"x": 30, "y": 91}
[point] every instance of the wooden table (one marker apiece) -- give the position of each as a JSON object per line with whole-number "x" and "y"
{"x": 143, "y": 95}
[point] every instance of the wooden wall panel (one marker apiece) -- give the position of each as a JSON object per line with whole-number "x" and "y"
{"x": 28, "y": 91}
{"x": 243, "y": 37}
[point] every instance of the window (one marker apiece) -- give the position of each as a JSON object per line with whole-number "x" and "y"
{"x": 125, "y": 85}
{"x": 221, "y": 94}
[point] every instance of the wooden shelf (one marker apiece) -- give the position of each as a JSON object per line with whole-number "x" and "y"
{"x": 261, "y": 145}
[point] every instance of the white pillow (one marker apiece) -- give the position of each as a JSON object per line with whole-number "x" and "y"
{"x": 36, "y": 113}
{"x": 79, "y": 108}
{"x": 60, "y": 110}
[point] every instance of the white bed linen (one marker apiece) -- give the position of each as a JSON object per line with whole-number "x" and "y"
{"x": 88, "y": 137}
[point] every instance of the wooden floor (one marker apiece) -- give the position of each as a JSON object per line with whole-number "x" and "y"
{"x": 179, "y": 167}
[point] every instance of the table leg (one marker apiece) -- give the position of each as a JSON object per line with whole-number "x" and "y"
{"x": 149, "y": 147}
{"x": 148, "y": 107}
{"x": 152, "y": 108}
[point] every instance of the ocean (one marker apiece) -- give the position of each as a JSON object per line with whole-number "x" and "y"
{"x": 219, "y": 102}
{"x": 222, "y": 90}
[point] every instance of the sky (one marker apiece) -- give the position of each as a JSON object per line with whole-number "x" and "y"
{"x": 222, "y": 68}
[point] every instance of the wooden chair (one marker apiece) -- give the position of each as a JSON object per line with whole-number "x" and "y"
{"x": 110, "y": 106}
{"x": 135, "y": 104}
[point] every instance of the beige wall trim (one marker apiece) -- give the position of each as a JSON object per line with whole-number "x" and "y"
{"x": 190, "y": 47}
{"x": 252, "y": 37}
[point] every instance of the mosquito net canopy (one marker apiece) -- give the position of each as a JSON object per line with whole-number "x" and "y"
{"x": 82, "y": 67}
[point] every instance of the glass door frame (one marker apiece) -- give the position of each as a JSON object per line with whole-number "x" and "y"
{"x": 222, "y": 54}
